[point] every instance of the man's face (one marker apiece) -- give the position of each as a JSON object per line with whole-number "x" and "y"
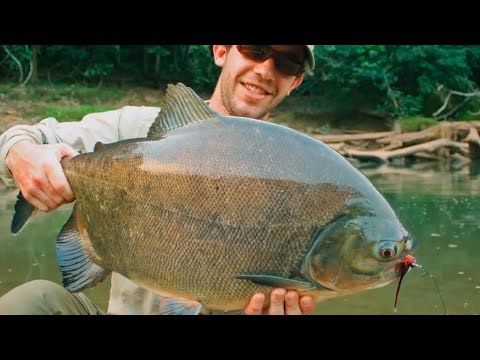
{"x": 252, "y": 88}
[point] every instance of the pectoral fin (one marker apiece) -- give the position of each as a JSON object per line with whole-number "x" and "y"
{"x": 277, "y": 281}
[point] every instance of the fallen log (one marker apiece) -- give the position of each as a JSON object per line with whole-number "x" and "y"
{"x": 454, "y": 130}
{"x": 342, "y": 138}
{"x": 386, "y": 156}
{"x": 438, "y": 142}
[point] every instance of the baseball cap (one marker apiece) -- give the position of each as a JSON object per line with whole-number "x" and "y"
{"x": 310, "y": 56}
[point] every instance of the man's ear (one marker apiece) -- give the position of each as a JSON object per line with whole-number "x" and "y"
{"x": 219, "y": 53}
{"x": 296, "y": 83}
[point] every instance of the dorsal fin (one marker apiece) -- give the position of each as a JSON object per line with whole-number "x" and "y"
{"x": 98, "y": 146}
{"x": 180, "y": 106}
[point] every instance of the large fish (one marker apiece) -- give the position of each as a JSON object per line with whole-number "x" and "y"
{"x": 213, "y": 209}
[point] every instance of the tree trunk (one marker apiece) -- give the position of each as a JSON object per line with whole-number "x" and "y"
{"x": 157, "y": 65}
{"x": 35, "y": 53}
{"x": 473, "y": 140}
{"x": 145, "y": 62}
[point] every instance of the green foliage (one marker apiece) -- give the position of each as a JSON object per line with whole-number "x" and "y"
{"x": 470, "y": 111}
{"x": 397, "y": 81}
{"x": 204, "y": 73}
{"x": 89, "y": 95}
{"x": 64, "y": 102}
{"x": 21, "y": 52}
{"x": 69, "y": 92}
{"x": 67, "y": 113}
{"x": 6, "y": 88}
{"x": 87, "y": 63}
{"x": 416, "y": 123}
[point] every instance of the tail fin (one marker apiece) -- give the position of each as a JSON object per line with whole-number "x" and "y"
{"x": 23, "y": 212}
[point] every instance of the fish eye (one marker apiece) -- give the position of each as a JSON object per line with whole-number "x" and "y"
{"x": 388, "y": 252}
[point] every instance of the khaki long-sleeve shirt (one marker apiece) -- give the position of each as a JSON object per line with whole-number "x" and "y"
{"x": 107, "y": 127}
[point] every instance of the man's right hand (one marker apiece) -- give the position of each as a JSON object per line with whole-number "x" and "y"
{"x": 39, "y": 175}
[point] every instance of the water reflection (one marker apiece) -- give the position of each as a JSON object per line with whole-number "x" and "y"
{"x": 437, "y": 203}
{"x": 31, "y": 254}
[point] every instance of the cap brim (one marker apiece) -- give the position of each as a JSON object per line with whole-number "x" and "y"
{"x": 310, "y": 58}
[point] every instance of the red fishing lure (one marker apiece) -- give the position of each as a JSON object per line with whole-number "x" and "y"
{"x": 402, "y": 268}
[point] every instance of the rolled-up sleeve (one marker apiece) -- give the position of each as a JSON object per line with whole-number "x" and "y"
{"x": 106, "y": 127}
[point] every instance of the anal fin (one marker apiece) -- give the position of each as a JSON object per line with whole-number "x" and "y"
{"x": 174, "y": 306}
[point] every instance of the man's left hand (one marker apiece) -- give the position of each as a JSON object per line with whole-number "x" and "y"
{"x": 282, "y": 302}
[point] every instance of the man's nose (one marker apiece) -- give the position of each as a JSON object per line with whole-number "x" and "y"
{"x": 266, "y": 68}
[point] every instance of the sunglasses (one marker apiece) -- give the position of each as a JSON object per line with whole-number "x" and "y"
{"x": 287, "y": 64}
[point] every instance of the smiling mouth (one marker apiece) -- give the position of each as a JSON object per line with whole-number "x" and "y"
{"x": 254, "y": 89}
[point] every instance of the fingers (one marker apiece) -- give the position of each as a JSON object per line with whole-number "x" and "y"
{"x": 36, "y": 202}
{"x": 255, "y": 306}
{"x": 307, "y": 304}
{"x": 292, "y": 304}
{"x": 66, "y": 151}
{"x": 48, "y": 188}
{"x": 277, "y": 299}
{"x": 282, "y": 302}
{"x": 58, "y": 179}
{"x": 288, "y": 304}
{"x": 39, "y": 198}
{"x": 58, "y": 187}
{"x": 38, "y": 172}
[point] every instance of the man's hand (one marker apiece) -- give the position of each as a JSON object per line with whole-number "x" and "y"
{"x": 282, "y": 302}
{"x": 39, "y": 175}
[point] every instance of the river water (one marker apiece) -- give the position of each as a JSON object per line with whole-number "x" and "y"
{"x": 437, "y": 203}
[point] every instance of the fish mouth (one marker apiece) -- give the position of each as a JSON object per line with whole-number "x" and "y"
{"x": 343, "y": 278}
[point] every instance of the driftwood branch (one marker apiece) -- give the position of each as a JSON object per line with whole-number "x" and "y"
{"x": 385, "y": 156}
{"x": 352, "y": 137}
{"x": 445, "y": 116}
{"x": 458, "y": 141}
{"x": 447, "y": 100}
{"x": 458, "y": 130}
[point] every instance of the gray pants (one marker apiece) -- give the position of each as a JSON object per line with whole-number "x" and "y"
{"x": 42, "y": 297}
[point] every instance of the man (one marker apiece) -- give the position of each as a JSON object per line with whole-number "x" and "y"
{"x": 254, "y": 80}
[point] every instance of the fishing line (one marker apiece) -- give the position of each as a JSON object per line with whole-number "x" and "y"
{"x": 425, "y": 272}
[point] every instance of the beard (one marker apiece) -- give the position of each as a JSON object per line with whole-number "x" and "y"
{"x": 242, "y": 107}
